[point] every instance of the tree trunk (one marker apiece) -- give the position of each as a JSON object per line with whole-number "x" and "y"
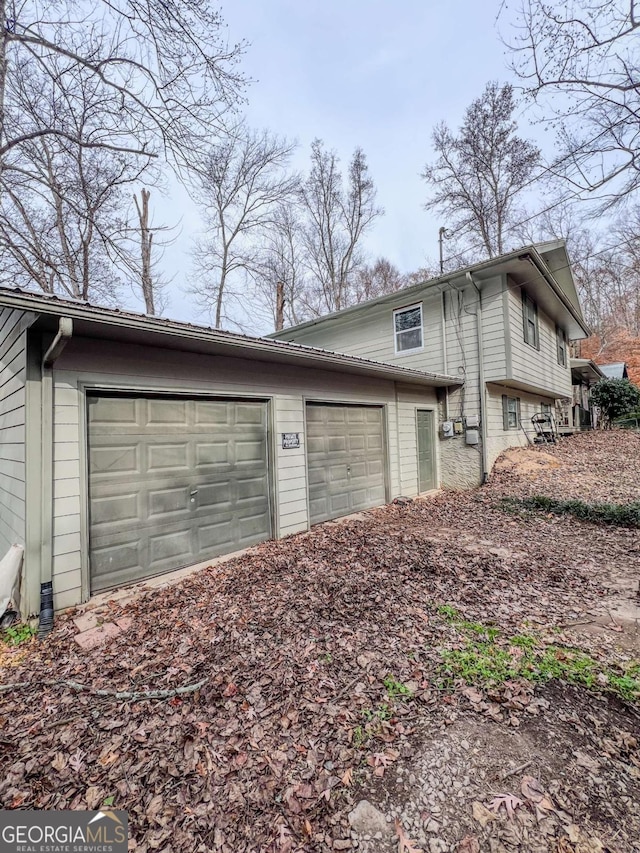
{"x": 146, "y": 241}
{"x": 279, "y": 306}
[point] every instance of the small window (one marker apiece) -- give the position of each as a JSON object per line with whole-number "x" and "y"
{"x": 561, "y": 342}
{"x": 407, "y": 326}
{"x": 510, "y": 412}
{"x": 530, "y": 321}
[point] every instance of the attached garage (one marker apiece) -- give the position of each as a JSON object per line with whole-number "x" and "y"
{"x": 136, "y": 445}
{"x": 346, "y": 459}
{"x": 173, "y": 482}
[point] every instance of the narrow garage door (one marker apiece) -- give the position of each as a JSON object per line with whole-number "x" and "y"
{"x": 173, "y": 482}
{"x": 346, "y": 459}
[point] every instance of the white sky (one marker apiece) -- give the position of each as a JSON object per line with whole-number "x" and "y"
{"x": 369, "y": 73}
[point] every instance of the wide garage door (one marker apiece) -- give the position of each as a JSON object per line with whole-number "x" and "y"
{"x": 346, "y": 459}
{"x": 173, "y": 482}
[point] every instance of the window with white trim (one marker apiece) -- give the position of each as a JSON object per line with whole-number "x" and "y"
{"x": 510, "y": 412}
{"x": 530, "y": 321}
{"x": 407, "y": 328}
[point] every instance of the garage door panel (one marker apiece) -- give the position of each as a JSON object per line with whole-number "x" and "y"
{"x": 163, "y": 502}
{"x": 345, "y": 459}
{"x": 216, "y": 495}
{"x": 103, "y": 413}
{"x": 166, "y": 412}
{"x": 252, "y": 450}
{"x": 110, "y": 511}
{"x": 188, "y": 480}
{"x": 315, "y": 444}
{"x": 115, "y": 460}
{"x": 171, "y": 545}
{"x": 164, "y": 457}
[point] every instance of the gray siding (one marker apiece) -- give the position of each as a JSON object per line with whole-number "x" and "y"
{"x": 13, "y": 366}
{"x": 494, "y": 330}
{"x": 370, "y": 333}
{"x": 500, "y": 439}
{"x": 530, "y": 365}
{"x": 100, "y": 365}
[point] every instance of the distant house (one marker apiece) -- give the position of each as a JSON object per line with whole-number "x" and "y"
{"x": 578, "y": 412}
{"x": 616, "y": 370}
{"x": 501, "y": 326}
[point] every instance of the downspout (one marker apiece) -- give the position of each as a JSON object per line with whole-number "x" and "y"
{"x": 65, "y": 330}
{"x": 445, "y": 366}
{"x": 482, "y": 389}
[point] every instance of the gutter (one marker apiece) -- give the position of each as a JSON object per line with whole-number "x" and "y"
{"x": 481, "y": 382}
{"x": 65, "y": 331}
{"x": 300, "y": 354}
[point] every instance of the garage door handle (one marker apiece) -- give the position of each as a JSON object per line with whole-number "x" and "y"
{"x": 195, "y": 492}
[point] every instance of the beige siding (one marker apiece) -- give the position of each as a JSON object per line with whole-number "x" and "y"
{"x": 138, "y": 368}
{"x": 531, "y": 366}
{"x": 500, "y": 439}
{"x": 494, "y": 330}
{"x": 370, "y": 334}
{"x": 13, "y": 366}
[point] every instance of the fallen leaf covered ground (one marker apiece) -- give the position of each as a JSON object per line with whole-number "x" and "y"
{"x": 417, "y": 657}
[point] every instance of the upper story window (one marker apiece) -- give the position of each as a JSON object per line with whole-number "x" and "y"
{"x": 561, "y": 342}
{"x": 530, "y": 321}
{"x": 407, "y": 327}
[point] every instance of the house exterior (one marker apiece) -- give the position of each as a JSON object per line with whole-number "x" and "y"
{"x": 578, "y": 413}
{"x": 501, "y": 326}
{"x": 131, "y": 446}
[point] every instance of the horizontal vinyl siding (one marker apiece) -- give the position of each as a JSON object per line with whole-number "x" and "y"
{"x": 13, "y": 367}
{"x": 67, "y": 492}
{"x": 493, "y": 330}
{"x": 500, "y": 439}
{"x": 370, "y": 334}
{"x": 533, "y": 366}
{"x": 139, "y": 369}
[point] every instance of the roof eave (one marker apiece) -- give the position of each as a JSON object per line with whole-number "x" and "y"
{"x": 259, "y": 348}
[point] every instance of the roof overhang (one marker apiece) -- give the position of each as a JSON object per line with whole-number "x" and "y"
{"x": 586, "y": 369}
{"x": 527, "y": 268}
{"x": 91, "y": 321}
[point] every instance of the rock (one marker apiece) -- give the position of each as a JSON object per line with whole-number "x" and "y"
{"x": 366, "y": 819}
{"x": 342, "y": 844}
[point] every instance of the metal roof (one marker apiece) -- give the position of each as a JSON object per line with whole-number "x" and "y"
{"x": 132, "y": 327}
{"x": 615, "y": 370}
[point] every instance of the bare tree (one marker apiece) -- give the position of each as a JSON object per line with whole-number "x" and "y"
{"x": 337, "y": 217}
{"x": 165, "y": 69}
{"x": 479, "y": 172}
{"x": 605, "y": 266}
{"x": 280, "y": 283}
{"x": 376, "y": 279}
{"x": 244, "y": 183}
{"x": 588, "y": 55}
{"x": 61, "y": 203}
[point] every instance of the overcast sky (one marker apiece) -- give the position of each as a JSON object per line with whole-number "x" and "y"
{"x": 370, "y": 73}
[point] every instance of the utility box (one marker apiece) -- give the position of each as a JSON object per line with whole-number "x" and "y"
{"x": 472, "y": 421}
{"x": 447, "y": 429}
{"x": 472, "y": 436}
{"x": 458, "y": 426}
